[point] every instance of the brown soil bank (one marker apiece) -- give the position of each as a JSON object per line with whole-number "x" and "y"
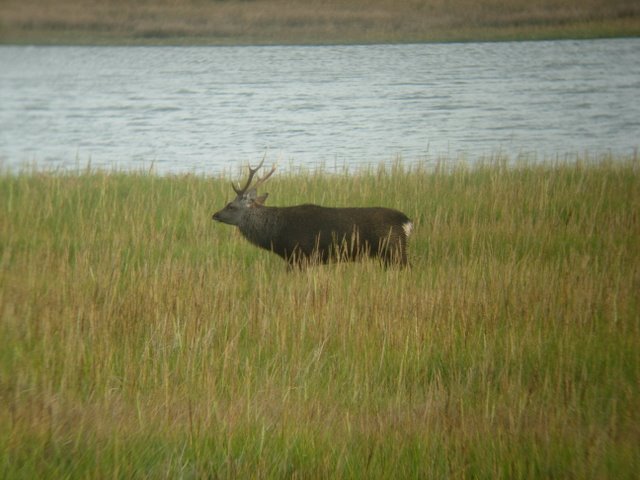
{"x": 310, "y": 21}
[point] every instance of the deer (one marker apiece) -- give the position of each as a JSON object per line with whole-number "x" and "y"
{"x": 310, "y": 234}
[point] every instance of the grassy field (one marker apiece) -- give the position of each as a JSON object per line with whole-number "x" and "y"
{"x": 310, "y": 21}
{"x": 139, "y": 339}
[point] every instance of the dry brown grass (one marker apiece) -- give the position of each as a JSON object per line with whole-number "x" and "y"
{"x": 138, "y": 339}
{"x": 279, "y": 21}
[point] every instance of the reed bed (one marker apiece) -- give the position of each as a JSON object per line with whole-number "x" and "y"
{"x": 138, "y": 339}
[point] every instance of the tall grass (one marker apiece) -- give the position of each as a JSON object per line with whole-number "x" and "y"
{"x": 140, "y": 339}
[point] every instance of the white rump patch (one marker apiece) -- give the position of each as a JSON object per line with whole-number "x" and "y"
{"x": 408, "y": 228}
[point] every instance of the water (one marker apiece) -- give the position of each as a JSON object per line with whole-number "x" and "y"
{"x": 208, "y": 109}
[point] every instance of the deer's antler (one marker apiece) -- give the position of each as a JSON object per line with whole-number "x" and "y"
{"x": 252, "y": 172}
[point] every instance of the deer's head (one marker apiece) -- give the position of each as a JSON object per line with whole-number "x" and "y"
{"x": 246, "y": 198}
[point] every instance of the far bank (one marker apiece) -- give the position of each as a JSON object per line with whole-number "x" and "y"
{"x": 199, "y": 22}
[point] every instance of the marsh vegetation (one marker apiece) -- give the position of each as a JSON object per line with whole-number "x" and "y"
{"x": 311, "y": 22}
{"x": 138, "y": 338}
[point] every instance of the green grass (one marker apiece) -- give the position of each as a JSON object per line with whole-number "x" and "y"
{"x": 140, "y": 339}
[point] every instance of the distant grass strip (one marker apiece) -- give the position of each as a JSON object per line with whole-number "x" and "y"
{"x": 241, "y": 22}
{"x": 140, "y": 339}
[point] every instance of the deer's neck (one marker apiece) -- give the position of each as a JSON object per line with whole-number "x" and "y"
{"x": 260, "y": 225}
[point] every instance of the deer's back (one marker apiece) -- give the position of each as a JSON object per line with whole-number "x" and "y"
{"x": 310, "y": 227}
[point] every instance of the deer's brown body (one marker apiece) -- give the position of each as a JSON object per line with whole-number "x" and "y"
{"x": 304, "y": 234}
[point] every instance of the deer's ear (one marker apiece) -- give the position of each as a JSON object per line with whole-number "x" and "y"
{"x": 261, "y": 199}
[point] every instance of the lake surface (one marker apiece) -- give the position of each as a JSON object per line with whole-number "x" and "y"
{"x": 210, "y": 109}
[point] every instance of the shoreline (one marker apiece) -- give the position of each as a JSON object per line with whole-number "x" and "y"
{"x": 82, "y": 40}
{"x": 275, "y": 22}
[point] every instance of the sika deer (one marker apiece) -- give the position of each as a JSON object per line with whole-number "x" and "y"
{"x": 311, "y": 234}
